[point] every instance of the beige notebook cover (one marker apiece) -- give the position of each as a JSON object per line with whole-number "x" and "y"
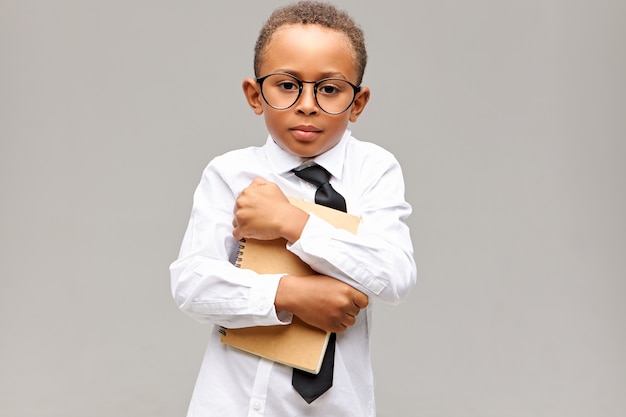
{"x": 298, "y": 344}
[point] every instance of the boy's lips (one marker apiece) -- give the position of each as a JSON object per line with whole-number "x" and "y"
{"x": 305, "y": 133}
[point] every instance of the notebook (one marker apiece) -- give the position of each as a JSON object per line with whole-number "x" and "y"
{"x": 298, "y": 344}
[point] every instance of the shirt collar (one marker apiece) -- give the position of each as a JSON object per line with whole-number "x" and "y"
{"x": 283, "y": 161}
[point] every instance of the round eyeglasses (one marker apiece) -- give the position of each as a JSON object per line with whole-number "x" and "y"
{"x": 332, "y": 95}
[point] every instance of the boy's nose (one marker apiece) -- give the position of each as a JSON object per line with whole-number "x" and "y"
{"x": 306, "y": 102}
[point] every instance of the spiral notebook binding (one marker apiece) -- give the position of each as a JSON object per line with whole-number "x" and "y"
{"x": 222, "y": 330}
{"x": 242, "y": 246}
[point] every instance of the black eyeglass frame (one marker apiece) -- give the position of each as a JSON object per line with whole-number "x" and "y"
{"x": 357, "y": 89}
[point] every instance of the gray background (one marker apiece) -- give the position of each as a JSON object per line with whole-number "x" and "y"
{"x": 509, "y": 118}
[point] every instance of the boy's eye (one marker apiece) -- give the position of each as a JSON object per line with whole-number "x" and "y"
{"x": 327, "y": 89}
{"x": 288, "y": 85}
{"x": 331, "y": 88}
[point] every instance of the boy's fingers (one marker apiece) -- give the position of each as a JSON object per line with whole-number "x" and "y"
{"x": 355, "y": 312}
{"x": 361, "y": 300}
{"x": 348, "y": 321}
{"x": 258, "y": 181}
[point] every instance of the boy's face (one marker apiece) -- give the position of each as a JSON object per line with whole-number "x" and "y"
{"x": 310, "y": 53}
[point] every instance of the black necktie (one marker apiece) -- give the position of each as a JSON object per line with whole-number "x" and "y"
{"x": 311, "y": 386}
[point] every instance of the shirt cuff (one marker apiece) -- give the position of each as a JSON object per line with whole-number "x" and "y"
{"x": 314, "y": 228}
{"x": 261, "y": 302}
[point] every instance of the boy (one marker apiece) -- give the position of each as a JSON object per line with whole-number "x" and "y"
{"x": 309, "y": 63}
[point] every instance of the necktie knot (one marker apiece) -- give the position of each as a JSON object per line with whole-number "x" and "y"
{"x": 315, "y": 174}
{"x": 325, "y": 195}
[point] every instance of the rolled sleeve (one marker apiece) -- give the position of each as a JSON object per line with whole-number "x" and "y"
{"x": 244, "y": 299}
{"x": 377, "y": 268}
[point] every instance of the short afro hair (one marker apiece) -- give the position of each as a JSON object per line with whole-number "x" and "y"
{"x": 315, "y": 13}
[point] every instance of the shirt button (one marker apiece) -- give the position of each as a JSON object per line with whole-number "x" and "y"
{"x": 256, "y": 405}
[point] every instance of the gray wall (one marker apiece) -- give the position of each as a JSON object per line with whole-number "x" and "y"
{"x": 509, "y": 118}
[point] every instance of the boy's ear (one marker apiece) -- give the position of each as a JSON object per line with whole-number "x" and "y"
{"x": 359, "y": 103}
{"x": 253, "y": 95}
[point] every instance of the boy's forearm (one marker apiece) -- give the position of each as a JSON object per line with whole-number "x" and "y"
{"x": 320, "y": 300}
{"x": 215, "y": 291}
{"x": 381, "y": 269}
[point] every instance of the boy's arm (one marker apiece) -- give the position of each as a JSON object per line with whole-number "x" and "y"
{"x": 264, "y": 212}
{"x": 378, "y": 260}
{"x": 205, "y": 283}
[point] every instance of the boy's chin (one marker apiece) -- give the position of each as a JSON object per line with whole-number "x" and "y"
{"x": 306, "y": 154}
{"x": 306, "y": 150}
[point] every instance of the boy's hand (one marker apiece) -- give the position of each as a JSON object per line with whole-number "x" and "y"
{"x": 320, "y": 301}
{"x": 263, "y": 212}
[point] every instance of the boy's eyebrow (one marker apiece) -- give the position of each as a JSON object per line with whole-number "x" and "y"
{"x": 328, "y": 74}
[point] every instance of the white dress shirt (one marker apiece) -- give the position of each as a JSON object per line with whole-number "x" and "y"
{"x": 206, "y": 285}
